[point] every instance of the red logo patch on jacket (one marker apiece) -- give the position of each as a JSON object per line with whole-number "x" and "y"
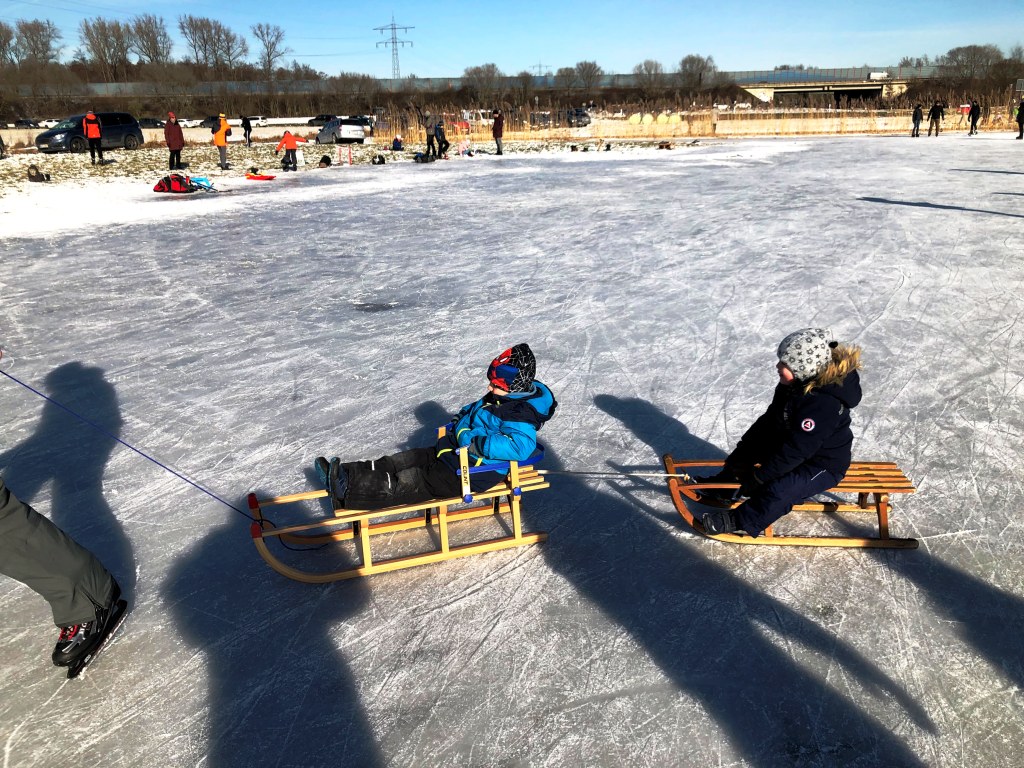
{"x": 807, "y": 425}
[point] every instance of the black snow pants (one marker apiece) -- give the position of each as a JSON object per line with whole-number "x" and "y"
{"x": 409, "y": 477}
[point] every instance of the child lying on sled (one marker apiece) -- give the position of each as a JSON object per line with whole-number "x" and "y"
{"x": 499, "y": 427}
{"x": 801, "y": 445}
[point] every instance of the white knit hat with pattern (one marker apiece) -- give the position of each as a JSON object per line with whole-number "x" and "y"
{"x": 807, "y": 352}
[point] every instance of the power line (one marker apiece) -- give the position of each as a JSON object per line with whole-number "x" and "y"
{"x": 394, "y": 42}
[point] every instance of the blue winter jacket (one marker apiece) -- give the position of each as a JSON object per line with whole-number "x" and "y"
{"x": 498, "y": 428}
{"x": 799, "y": 428}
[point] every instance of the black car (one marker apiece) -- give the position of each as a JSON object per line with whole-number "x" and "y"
{"x": 577, "y": 117}
{"x": 322, "y": 119}
{"x": 25, "y": 122}
{"x": 117, "y": 129}
{"x": 150, "y": 122}
{"x": 213, "y": 121}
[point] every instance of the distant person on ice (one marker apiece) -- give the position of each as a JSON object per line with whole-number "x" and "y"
{"x": 175, "y": 139}
{"x": 916, "y": 119}
{"x": 501, "y": 426}
{"x": 935, "y": 117}
{"x": 974, "y": 114}
{"x": 498, "y": 128}
{"x": 801, "y": 446}
{"x": 430, "y": 126}
{"x": 220, "y": 140}
{"x": 290, "y": 142}
{"x": 1020, "y": 120}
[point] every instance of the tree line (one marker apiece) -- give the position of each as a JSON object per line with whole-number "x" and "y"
{"x": 140, "y": 50}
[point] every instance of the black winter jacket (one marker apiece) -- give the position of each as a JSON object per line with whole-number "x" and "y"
{"x": 798, "y": 428}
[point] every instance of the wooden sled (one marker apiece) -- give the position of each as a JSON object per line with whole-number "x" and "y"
{"x": 360, "y": 526}
{"x": 872, "y": 481}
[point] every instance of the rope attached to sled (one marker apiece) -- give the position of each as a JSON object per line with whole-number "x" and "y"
{"x": 107, "y": 433}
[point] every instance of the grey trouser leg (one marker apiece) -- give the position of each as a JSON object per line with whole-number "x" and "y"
{"x": 41, "y": 556}
{"x": 223, "y": 155}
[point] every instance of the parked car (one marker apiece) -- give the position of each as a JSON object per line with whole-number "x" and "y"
{"x": 150, "y": 122}
{"x": 118, "y": 129}
{"x": 188, "y": 122}
{"x": 211, "y": 122}
{"x": 540, "y": 120}
{"x": 258, "y": 121}
{"x": 49, "y": 122}
{"x": 322, "y": 119}
{"x": 577, "y": 117}
{"x": 343, "y": 129}
{"x": 25, "y": 122}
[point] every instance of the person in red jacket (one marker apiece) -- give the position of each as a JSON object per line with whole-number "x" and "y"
{"x": 175, "y": 141}
{"x": 290, "y": 142}
{"x": 91, "y": 127}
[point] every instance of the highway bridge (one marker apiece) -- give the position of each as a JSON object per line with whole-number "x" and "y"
{"x": 843, "y": 84}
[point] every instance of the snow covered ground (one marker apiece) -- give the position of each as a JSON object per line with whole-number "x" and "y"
{"x": 235, "y": 337}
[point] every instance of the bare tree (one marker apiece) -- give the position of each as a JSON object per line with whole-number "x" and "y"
{"x": 106, "y": 45}
{"x": 272, "y": 47}
{"x": 212, "y": 44}
{"x": 8, "y": 55}
{"x": 522, "y": 89}
{"x": 37, "y": 42}
{"x": 915, "y": 62}
{"x": 970, "y": 62}
{"x": 565, "y": 80}
{"x": 150, "y": 40}
{"x": 650, "y": 79}
{"x": 588, "y": 74}
{"x": 697, "y": 72}
{"x": 484, "y": 81}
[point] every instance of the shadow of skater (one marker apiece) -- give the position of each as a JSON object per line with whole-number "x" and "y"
{"x": 986, "y": 617}
{"x": 280, "y": 690}
{"x": 712, "y": 633}
{"x": 72, "y": 455}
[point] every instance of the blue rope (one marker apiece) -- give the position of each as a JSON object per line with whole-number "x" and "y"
{"x": 127, "y": 445}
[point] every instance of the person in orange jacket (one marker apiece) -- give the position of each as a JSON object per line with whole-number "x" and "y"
{"x": 91, "y": 127}
{"x": 220, "y": 140}
{"x": 290, "y": 142}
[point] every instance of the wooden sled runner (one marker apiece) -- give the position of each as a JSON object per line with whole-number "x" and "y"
{"x": 872, "y": 481}
{"x": 360, "y": 526}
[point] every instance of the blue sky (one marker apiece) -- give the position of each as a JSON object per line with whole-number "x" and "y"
{"x": 447, "y": 37}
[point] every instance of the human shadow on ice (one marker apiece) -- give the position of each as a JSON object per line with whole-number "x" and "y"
{"x": 714, "y": 634}
{"x": 985, "y": 616}
{"x": 280, "y": 691}
{"x": 961, "y": 208}
{"x": 72, "y": 454}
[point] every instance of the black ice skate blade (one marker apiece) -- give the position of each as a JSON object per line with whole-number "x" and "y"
{"x": 120, "y": 611}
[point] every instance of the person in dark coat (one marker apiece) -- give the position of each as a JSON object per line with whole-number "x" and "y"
{"x": 442, "y": 140}
{"x": 974, "y": 115}
{"x": 1020, "y": 120}
{"x": 498, "y": 128}
{"x": 430, "y": 126}
{"x": 916, "y": 119}
{"x": 802, "y": 445}
{"x": 175, "y": 139}
{"x": 499, "y": 427}
{"x": 246, "y": 130}
{"x": 935, "y": 116}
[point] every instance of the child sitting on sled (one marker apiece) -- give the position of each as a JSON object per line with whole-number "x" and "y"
{"x": 499, "y": 427}
{"x": 801, "y": 445}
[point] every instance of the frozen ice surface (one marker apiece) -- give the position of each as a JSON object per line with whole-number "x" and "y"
{"x": 235, "y": 337}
